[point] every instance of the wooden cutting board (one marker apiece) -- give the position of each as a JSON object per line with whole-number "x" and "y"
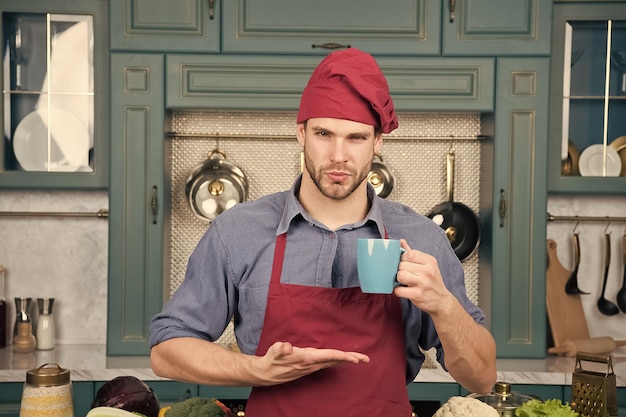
{"x": 565, "y": 312}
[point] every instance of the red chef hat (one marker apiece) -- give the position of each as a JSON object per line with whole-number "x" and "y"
{"x": 348, "y": 84}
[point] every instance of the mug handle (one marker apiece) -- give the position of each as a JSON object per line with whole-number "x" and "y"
{"x": 396, "y": 283}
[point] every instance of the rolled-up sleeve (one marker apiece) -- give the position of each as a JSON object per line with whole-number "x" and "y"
{"x": 207, "y": 291}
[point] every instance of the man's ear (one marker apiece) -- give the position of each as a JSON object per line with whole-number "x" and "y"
{"x": 378, "y": 142}
{"x": 300, "y": 133}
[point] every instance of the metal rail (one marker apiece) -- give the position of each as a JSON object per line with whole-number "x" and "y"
{"x": 102, "y": 213}
{"x": 291, "y": 137}
{"x": 611, "y": 219}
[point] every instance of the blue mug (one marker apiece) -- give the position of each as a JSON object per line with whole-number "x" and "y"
{"x": 377, "y": 264}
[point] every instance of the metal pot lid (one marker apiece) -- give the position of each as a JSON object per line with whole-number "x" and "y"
{"x": 381, "y": 178}
{"x": 215, "y": 186}
{"x": 502, "y": 398}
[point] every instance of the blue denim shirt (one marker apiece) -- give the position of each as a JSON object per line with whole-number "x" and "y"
{"x": 229, "y": 271}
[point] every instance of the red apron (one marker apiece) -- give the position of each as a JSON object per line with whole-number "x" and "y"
{"x": 339, "y": 318}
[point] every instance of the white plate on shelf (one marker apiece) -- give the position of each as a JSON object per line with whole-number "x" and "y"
{"x": 68, "y": 147}
{"x": 592, "y": 158}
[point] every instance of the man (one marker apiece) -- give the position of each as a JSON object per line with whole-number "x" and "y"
{"x": 284, "y": 266}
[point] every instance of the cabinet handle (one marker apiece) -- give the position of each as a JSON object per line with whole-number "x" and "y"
{"x": 452, "y": 9}
{"x": 502, "y": 207}
{"x": 211, "y": 9}
{"x": 154, "y": 204}
{"x": 330, "y": 45}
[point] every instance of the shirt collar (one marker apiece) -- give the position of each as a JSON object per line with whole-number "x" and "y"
{"x": 293, "y": 209}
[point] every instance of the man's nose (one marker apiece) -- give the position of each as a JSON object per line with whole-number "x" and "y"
{"x": 338, "y": 151}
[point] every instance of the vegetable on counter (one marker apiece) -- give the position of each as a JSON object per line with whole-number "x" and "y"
{"x": 466, "y": 407}
{"x": 197, "y": 407}
{"x": 128, "y": 393}
{"x": 552, "y": 408}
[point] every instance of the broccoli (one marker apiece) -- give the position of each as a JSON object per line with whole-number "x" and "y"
{"x": 196, "y": 407}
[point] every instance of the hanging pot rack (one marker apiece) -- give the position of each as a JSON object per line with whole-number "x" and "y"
{"x": 292, "y": 137}
{"x": 102, "y": 213}
{"x": 610, "y": 219}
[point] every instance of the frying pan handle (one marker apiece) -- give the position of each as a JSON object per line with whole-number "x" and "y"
{"x": 576, "y": 240}
{"x": 607, "y": 258}
{"x": 450, "y": 176}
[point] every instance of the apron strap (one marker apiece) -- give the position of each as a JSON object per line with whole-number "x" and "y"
{"x": 279, "y": 255}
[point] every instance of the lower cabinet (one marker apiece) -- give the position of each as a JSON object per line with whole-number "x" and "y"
{"x": 426, "y": 397}
{"x": 11, "y": 397}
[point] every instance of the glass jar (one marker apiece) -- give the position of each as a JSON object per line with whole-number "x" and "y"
{"x": 47, "y": 391}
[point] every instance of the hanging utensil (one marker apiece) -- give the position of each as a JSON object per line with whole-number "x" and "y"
{"x": 459, "y": 221}
{"x": 380, "y": 177}
{"x": 621, "y": 295}
{"x": 215, "y": 186}
{"x": 605, "y": 306}
{"x": 571, "y": 286}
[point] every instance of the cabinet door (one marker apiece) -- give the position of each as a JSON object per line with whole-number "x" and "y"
{"x": 315, "y": 27}
{"x": 496, "y": 28}
{"x": 167, "y": 392}
{"x": 165, "y": 25}
{"x": 11, "y": 397}
{"x": 54, "y": 111}
{"x": 518, "y": 223}
{"x": 588, "y": 100}
{"x": 259, "y": 82}
{"x": 135, "y": 201}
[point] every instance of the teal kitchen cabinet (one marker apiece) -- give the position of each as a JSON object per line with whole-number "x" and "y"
{"x": 55, "y": 116}
{"x": 259, "y": 82}
{"x": 11, "y": 397}
{"x": 136, "y": 202}
{"x": 500, "y": 28}
{"x": 167, "y": 392}
{"x": 397, "y": 27}
{"x": 165, "y": 25}
{"x": 588, "y": 99}
{"x": 392, "y": 27}
{"x": 514, "y": 254}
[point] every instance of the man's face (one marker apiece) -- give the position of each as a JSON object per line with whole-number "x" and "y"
{"x": 338, "y": 154}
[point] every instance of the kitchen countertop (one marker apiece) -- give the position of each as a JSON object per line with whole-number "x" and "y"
{"x": 90, "y": 363}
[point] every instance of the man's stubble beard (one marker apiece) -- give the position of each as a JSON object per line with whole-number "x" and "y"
{"x": 335, "y": 191}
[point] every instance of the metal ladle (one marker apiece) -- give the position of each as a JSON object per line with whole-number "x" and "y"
{"x": 571, "y": 286}
{"x": 621, "y": 295}
{"x": 605, "y": 306}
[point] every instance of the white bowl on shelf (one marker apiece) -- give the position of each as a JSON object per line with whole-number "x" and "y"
{"x": 591, "y": 161}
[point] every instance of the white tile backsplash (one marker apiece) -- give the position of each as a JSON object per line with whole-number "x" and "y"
{"x": 64, "y": 258}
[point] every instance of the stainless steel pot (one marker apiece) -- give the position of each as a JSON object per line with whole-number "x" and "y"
{"x": 503, "y": 399}
{"x": 215, "y": 186}
{"x": 381, "y": 178}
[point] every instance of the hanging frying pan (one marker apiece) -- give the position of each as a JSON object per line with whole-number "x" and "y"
{"x": 380, "y": 177}
{"x": 215, "y": 186}
{"x": 459, "y": 221}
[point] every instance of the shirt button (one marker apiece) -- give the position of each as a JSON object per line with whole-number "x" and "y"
{"x": 331, "y": 235}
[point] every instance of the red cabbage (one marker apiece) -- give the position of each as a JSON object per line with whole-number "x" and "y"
{"x": 128, "y": 393}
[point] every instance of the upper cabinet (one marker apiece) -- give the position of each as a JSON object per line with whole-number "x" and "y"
{"x": 55, "y": 89}
{"x": 502, "y": 28}
{"x": 165, "y": 25}
{"x": 391, "y": 27}
{"x": 588, "y": 99}
{"x": 263, "y": 82}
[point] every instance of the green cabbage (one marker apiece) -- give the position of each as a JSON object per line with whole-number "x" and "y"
{"x": 552, "y": 408}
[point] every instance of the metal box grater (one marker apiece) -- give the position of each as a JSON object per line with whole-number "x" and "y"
{"x": 594, "y": 394}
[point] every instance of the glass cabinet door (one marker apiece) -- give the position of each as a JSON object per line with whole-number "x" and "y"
{"x": 588, "y": 130}
{"x": 48, "y": 112}
{"x": 51, "y": 100}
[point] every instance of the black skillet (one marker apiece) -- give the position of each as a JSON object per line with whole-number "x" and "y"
{"x": 459, "y": 221}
